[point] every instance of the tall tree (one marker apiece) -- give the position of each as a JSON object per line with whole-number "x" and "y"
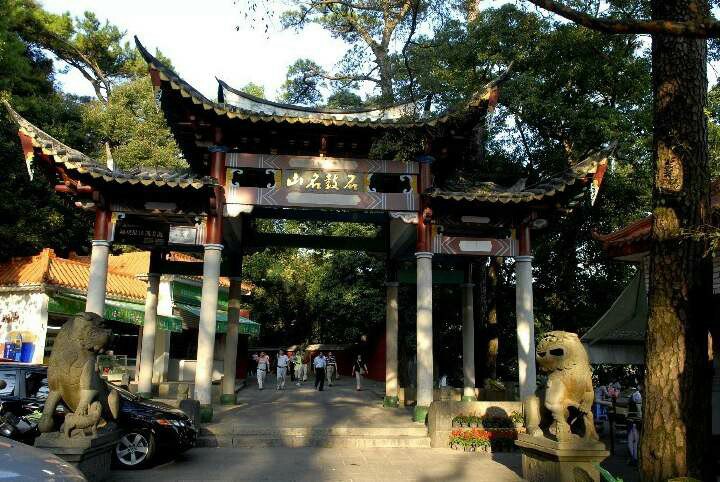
{"x": 92, "y": 47}
{"x": 32, "y": 216}
{"x": 369, "y": 27}
{"x": 676, "y": 426}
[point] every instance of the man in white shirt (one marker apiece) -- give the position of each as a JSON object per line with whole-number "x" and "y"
{"x": 282, "y": 366}
{"x": 319, "y": 364}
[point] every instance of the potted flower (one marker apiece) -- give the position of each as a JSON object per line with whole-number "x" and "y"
{"x": 518, "y": 419}
{"x": 458, "y": 421}
{"x": 474, "y": 421}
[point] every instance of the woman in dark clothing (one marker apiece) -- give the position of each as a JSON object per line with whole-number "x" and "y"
{"x": 359, "y": 369}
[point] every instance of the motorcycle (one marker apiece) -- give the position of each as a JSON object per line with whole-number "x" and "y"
{"x": 21, "y": 429}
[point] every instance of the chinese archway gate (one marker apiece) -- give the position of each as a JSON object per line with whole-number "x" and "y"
{"x": 251, "y": 159}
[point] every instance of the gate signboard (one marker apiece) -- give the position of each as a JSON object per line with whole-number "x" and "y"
{"x": 136, "y": 231}
{"x": 321, "y": 182}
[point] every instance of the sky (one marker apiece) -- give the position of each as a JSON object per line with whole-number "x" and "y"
{"x": 201, "y": 39}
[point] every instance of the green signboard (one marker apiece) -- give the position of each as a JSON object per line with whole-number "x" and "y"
{"x": 122, "y": 311}
{"x": 245, "y": 326}
{"x": 190, "y": 294}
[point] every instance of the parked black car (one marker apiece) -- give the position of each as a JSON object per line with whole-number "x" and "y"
{"x": 147, "y": 425}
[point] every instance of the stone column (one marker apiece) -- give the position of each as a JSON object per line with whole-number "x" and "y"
{"x": 162, "y": 355}
{"x": 424, "y": 395}
{"x": 468, "y": 334}
{"x": 147, "y": 354}
{"x": 525, "y": 325}
{"x": 231, "y": 342}
{"x": 97, "y": 280}
{"x": 391, "y": 344}
{"x": 206, "y": 329}
{"x": 716, "y": 394}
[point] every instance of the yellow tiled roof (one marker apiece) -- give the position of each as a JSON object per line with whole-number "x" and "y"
{"x": 123, "y": 272}
{"x": 47, "y": 268}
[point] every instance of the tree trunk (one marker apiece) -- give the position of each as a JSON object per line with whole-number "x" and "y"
{"x": 676, "y": 427}
{"x": 472, "y": 10}
{"x": 385, "y": 74}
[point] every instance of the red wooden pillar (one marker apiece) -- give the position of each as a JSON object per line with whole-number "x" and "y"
{"x": 97, "y": 278}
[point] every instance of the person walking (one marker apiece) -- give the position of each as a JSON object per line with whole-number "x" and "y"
{"x": 291, "y": 365}
{"x": 305, "y": 365}
{"x": 252, "y": 371}
{"x": 282, "y": 366}
{"x": 262, "y": 368}
{"x": 298, "y": 368}
{"x": 331, "y": 370}
{"x": 319, "y": 364}
{"x": 359, "y": 369}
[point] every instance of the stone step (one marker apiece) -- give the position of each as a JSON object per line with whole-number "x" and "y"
{"x": 417, "y": 430}
{"x": 328, "y": 441}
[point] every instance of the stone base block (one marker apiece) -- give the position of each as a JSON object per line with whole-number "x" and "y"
{"x": 468, "y": 398}
{"x": 227, "y": 399}
{"x": 544, "y": 459}
{"x": 92, "y": 455}
{"x": 391, "y": 402}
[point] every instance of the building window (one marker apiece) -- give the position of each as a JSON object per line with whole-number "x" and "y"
{"x": 9, "y": 377}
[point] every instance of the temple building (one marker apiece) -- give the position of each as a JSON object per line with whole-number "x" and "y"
{"x": 250, "y": 159}
{"x": 39, "y": 293}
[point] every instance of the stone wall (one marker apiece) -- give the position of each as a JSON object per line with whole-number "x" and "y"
{"x": 443, "y": 411}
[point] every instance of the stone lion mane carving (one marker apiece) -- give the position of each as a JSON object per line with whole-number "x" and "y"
{"x": 563, "y": 408}
{"x": 72, "y": 376}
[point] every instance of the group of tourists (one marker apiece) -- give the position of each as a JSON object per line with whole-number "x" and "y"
{"x": 608, "y": 397}
{"x": 324, "y": 367}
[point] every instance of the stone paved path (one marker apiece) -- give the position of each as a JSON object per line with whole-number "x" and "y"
{"x": 318, "y": 464}
{"x": 336, "y": 407}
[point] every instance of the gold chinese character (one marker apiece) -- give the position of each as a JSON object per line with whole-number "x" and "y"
{"x": 313, "y": 182}
{"x": 351, "y": 184}
{"x": 295, "y": 180}
{"x": 331, "y": 182}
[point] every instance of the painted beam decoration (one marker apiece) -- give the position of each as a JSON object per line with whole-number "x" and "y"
{"x": 309, "y": 181}
{"x": 458, "y": 245}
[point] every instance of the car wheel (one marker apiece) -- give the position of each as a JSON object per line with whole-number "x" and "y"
{"x": 135, "y": 449}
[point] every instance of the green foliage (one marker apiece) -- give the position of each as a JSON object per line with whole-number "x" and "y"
{"x": 32, "y": 216}
{"x": 344, "y": 99}
{"x": 85, "y": 43}
{"x": 133, "y": 126}
{"x": 303, "y": 83}
{"x": 315, "y": 295}
{"x": 254, "y": 89}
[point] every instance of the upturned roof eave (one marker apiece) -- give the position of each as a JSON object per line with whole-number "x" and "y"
{"x": 77, "y": 162}
{"x": 187, "y": 91}
{"x": 539, "y": 192}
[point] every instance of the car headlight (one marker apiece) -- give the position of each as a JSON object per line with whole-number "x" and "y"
{"x": 170, "y": 423}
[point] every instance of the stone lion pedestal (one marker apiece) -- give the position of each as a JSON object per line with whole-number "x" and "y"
{"x": 92, "y": 455}
{"x": 546, "y": 460}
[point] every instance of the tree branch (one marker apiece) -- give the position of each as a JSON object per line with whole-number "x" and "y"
{"x": 706, "y": 27}
{"x": 413, "y": 27}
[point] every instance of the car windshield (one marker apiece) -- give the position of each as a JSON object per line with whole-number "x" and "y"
{"x": 123, "y": 392}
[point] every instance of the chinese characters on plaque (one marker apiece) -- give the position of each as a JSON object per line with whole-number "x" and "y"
{"x": 323, "y": 181}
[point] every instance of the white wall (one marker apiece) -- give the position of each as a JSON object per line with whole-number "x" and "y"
{"x": 26, "y": 313}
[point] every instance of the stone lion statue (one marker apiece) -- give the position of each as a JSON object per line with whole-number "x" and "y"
{"x": 72, "y": 376}
{"x": 563, "y": 408}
